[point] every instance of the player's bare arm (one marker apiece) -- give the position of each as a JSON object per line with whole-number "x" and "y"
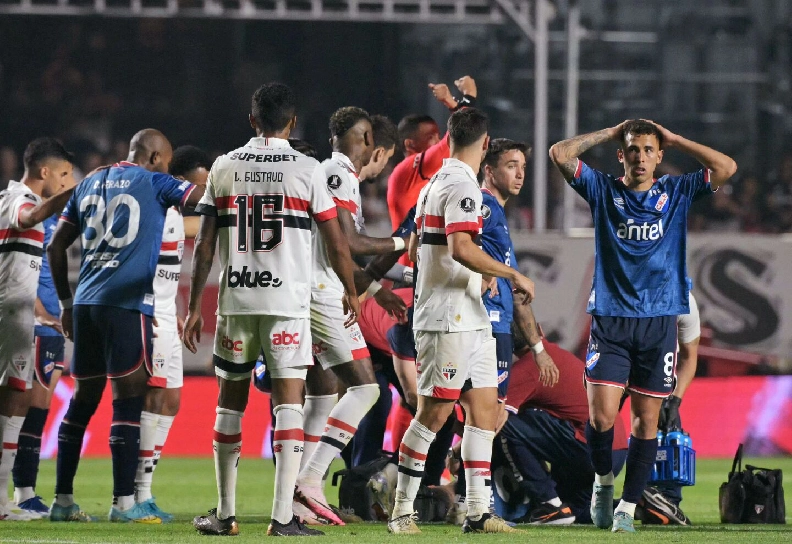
{"x": 45, "y": 318}
{"x": 441, "y": 92}
{"x": 565, "y": 153}
{"x": 413, "y": 248}
{"x": 525, "y": 321}
{"x": 382, "y": 264}
{"x": 203, "y": 256}
{"x": 342, "y": 264}
{"x": 465, "y": 251}
{"x": 30, "y": 217}
{"x": 360, "y": 244}
{"x": 195, "y": 197}
{"x": 720, "y": 165}
{"x": 390, "y": 302}
{"x": 64, "y": 236}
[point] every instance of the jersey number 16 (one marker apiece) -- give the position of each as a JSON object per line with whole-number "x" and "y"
{"x": 267, "y": 227}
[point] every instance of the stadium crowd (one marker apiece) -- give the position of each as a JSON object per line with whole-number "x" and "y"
{"x": 445, "y": 317}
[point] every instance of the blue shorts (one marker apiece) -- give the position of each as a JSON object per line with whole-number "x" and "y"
{"x": 110, "y": 341}
{"x": 503, "y": 349}
{"x": 49, "y": 357}
{"x": 636, "y": 353}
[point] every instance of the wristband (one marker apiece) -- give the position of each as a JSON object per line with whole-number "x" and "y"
{"x": 466, "y": 101}
{"x": 67, "y": 304}
{"x": 399, "y": 243}
{"x": 537, "y": 348}
{"x": 373, "y": 288}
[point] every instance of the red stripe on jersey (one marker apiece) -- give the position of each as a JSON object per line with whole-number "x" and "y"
{"x": 419, "y": 223}
{"x": 411, "y": 452}
{"x": 288, "y": 434}
{"x": 707, "y": 175}
{"x": 169, "y": 246}
{"x": 360, "y": 353}
{"x": 16, "y": 383}
{"x": 228, "y": 202}
{"x": 344, "y": 426}
{"x": 29, "y": 234}
{"x": 445, "y": 393}
{"x": 67, "y": 219}
{"x": 434, "y": 221}
{"x": 227, "y": 438}
{"x": 325, "y": 215}
{"x": 476, "y": 464}
{"x": 24, "y": 206}
{"x": 294, "y": 203}
{"x": 346, "y": 204}
{"x": 466, "y": 226}
{"x": 187, "y": 194}
{"x": 579, "y": 168}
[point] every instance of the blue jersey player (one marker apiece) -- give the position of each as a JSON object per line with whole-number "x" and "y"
{"x": 119, "y": 214}
{"x": 503, "y": 173}
{"x": 639, "y": 289}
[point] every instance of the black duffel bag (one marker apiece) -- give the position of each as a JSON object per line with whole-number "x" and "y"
{"x": 753, "y": 495}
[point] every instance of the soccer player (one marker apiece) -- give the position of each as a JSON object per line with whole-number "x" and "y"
{"x": 385, "y": 137}
{"x": 261, "y": 201}
{"x": 119, "y": 214}
{"x": 503, "y": 172}
{"x": 639, "y": 289}
{"x": 48, "y": 367}
{"x": 48, "y": 174}
{"x": 164, "y": 395}
{"x": 424, "y": 150}
{"x": 452, "y": 331}
{"x": 342, "y": 352}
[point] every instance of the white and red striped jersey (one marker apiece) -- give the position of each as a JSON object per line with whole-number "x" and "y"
{"x": 344, "y": 186}
{"x": 20, "y": 250}
{"x": 265, "y": 195}
{"x": 448, "y": 294}
{"x": 166, "y": 279}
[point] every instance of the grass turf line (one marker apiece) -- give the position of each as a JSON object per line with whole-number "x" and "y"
{"x": 186, "y": 488}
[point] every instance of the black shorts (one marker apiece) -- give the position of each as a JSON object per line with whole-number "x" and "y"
{"x": 503, "y": 350}
{"x": 49, "y": 357}
{"x": 110, "y": 341}
{"x": 636, "y": 353}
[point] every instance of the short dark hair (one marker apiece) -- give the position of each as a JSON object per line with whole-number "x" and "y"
{"x": 303, "y": 147}
{"x": 385, "y": 133}
{"x": 187, "y": 158}
{"x": 498, "y": 147}
{"x": 274, "y": 105}
{"x": 409, "y": 124}
{"x": 466, "y": 126}
{"x": 637, "y": 127}
{"x": 41, "y": 149}
{"x": 345, "y": 118}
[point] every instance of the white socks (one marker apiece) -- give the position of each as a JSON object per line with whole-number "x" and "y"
{"x": 10, "y": 437}
{"x": 316, "y": 410}
{"x": 145, "y": 470}
{"x": 412, "y": 461}
{"x": 605, "y": 479}
{"x": 227, "y": 449}
{"x": 288, "y": 446}
{"x": 476, "y": 457}
{"x": 625, "y": 506}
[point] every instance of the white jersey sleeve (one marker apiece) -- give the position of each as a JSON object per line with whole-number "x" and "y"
{"x": 166, "y": 278}
{"x": 689, "y": 325}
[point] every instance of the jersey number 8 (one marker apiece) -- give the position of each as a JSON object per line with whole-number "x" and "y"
{"x": 106, "y": 215}
{"x": 267, "y": 230}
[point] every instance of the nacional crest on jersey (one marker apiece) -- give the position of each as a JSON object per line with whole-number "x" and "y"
{"x": 485, "y": 211}
{"x": 591, "y": 359}
{"x": 449, "y": 370}
{"x": 661, "y": 202}
{"x": 334, "y": 182}
{"x": 467, "y": 204}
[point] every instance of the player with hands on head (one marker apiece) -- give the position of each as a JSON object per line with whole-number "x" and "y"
{"x": 639, "y": 288}
{"x": 264, "y": 300}
{"x": 453, "y": 335}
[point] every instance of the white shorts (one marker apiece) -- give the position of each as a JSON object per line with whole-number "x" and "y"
{"x": 17, "y": 348}
{"x": 446, "y": 360}
{"x": 240, "y": 339}
{"x": 333, "y": 344}
{"x": 167, "y": 365}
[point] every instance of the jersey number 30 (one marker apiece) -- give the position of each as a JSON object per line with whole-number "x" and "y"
{"x": 267, "y": 230}
{"x": 105, "y": 215}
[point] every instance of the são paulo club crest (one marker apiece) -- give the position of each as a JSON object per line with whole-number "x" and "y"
{"x": 449, "y": 371}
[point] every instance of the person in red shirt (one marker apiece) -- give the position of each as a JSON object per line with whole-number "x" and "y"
{"x": 546, "y": 425}
{"x": 424, "y": 150}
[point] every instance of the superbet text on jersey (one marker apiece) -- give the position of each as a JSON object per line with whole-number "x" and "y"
{"x": 264, "y": 196}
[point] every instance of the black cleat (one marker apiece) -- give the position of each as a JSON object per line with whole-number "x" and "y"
{"x": 294, "y": 528}
{"x": 487, "y": 523}
{"x": 212, "y": 525}
{"x": 658, "y": 510}
{"x": 547, "y": 514}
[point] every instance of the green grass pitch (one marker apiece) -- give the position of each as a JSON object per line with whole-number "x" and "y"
{"x": 186, "y": 487}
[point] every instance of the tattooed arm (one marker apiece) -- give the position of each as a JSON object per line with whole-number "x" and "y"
{"x": 566, "y": 152}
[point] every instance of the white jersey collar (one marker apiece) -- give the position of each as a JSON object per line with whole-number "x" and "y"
{"x": 464, "y": 166}
{"x": 262, "y": 142}
{"x": 344, "y": 160}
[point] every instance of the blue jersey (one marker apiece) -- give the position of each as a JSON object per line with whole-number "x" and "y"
{"x": 46, "y": 287}
{"x": 640, "y": 242}
{"x": 496, "y": 242}
{"x": 120, "y": 213}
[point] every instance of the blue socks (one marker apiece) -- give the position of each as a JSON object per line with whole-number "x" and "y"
{"x": 601, "y": 447}
{"x": 640, "y": 459}
{"x": 70, "y": 438}
{"x": 125, "y": 443}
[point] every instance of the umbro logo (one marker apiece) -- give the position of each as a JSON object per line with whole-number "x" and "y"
{"x": 619, "y": 201}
